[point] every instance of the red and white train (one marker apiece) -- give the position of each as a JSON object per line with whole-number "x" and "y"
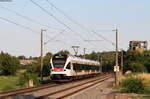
{"x": 66, "y": 66}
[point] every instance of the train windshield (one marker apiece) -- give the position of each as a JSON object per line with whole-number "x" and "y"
{"x": 59, "y": 60}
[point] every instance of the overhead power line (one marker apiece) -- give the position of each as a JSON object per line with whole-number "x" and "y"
{"x": 27, "y": 18}
{"x": 93, "y": 40}
{"x": 25, "y": 27}
{"x": 70, "y": 19}
{"x": 54, "y": 37}
{"x": 50, "y": 14}
{"x": 20, "y": 25}
{"x": 112, "y": 43}
{"x": 59, "y": 21}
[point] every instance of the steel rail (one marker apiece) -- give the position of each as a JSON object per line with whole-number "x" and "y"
{"x": 25, "y": 90}
{"x": 74, "y": 92}
{"x": 34, "y": 89}
{"x": 59, "y": 91}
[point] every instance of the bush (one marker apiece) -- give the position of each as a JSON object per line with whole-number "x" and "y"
{"x": 137, "y": 67}
{"x": 8, "y": 64}
{"x": 25, "y": 77}
{"x": 33, "y": 68}
{"x": 133, "y": 85}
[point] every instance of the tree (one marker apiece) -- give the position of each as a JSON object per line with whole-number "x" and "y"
{"x": 92, "y": 56}
{"x": 8, "y": 64}
{"x": 47, "y": 65}
{"x": 137, "y": 67}
{"x": 107, "y": 57}
{"x": 136, "y": 61}
{"x": 146, "y": 60}
{"x": 21, "y": 57}
{"x": 36, "y": 67}
{"x": 64, "y": 52}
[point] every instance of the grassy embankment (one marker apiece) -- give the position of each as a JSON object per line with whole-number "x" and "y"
{"x": 138, "y": 84}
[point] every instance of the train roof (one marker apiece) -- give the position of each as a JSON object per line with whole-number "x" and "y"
{"x": 84, "y": 61}
{"x": 79, "y": 60}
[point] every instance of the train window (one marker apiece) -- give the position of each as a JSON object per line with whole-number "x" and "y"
{"x": 59, "y": 60}
{"x": 79, "y": 66}
{"x": 75, "y": 67}
{"x": 82, "y": 67}
{"x": 98, "y": 67}
{"x": 68, "y": 66}
{"x": 85, "y": 67}
{"x": 89, "y": 67}
{"x": 92, "y": 68}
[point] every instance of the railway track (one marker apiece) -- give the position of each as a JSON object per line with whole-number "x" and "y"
{"x": 53, "y": 90}
{"x": 4, "y": 95}
{"x": 61, "y": 94}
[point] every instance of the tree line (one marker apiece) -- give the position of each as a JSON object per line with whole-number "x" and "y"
{"x": 133, "y": 60}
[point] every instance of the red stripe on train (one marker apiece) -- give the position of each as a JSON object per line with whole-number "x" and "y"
{"x": 58, "y": 69}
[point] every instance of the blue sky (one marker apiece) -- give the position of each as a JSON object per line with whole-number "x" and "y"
{"x": 131, "y": 17}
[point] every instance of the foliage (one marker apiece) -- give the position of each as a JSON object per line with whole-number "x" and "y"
{"x": 33, "y": 68}
{"x": 47, "y": 65}
{"x": 136, "y": 83}
{"x": 146, "y": 60}
{"x": 8, "y": 64}
{"x": 64, "y": 52}
{"x": 21, "y": 57}
{"x": 36, "y": 67}
{"x": 25, "y": 77}
{"x": 92, "y": 56}
{"x": 133, "y": 85}
{"x": 137, "y": 67}
{"x": 108, "y": 59}
{"x": 136, "y": 61}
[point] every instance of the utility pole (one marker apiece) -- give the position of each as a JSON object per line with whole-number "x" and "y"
{"x": 75, "y": 48}
{"x": 101, "y": 64}
{"x": 117, "y": 67}
{"x": 84, "y": 52}
{"x": 42, "y": 53}
{"x": 122, "y": 60}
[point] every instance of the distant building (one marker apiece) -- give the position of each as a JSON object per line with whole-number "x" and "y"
{"x": 26, "y": 62}
{"x": 138, "y": 45}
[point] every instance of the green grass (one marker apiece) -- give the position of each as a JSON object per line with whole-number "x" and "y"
{"x": 11, "y": 82}
{"x": 134, "y": 97}
{"x": 8, "y": 83}
{"x": 145, "y": 97}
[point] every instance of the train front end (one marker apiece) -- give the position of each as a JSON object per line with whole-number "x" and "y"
{"x": 58, "y": 63}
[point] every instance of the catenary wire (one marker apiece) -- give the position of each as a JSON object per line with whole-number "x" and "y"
{"x": 72, "y": 20}
{"x": 20, "y": 25}
{"x": 27, "y": 18}
{"x": 59, "y": 21}
{"x": 112, "y": 43}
